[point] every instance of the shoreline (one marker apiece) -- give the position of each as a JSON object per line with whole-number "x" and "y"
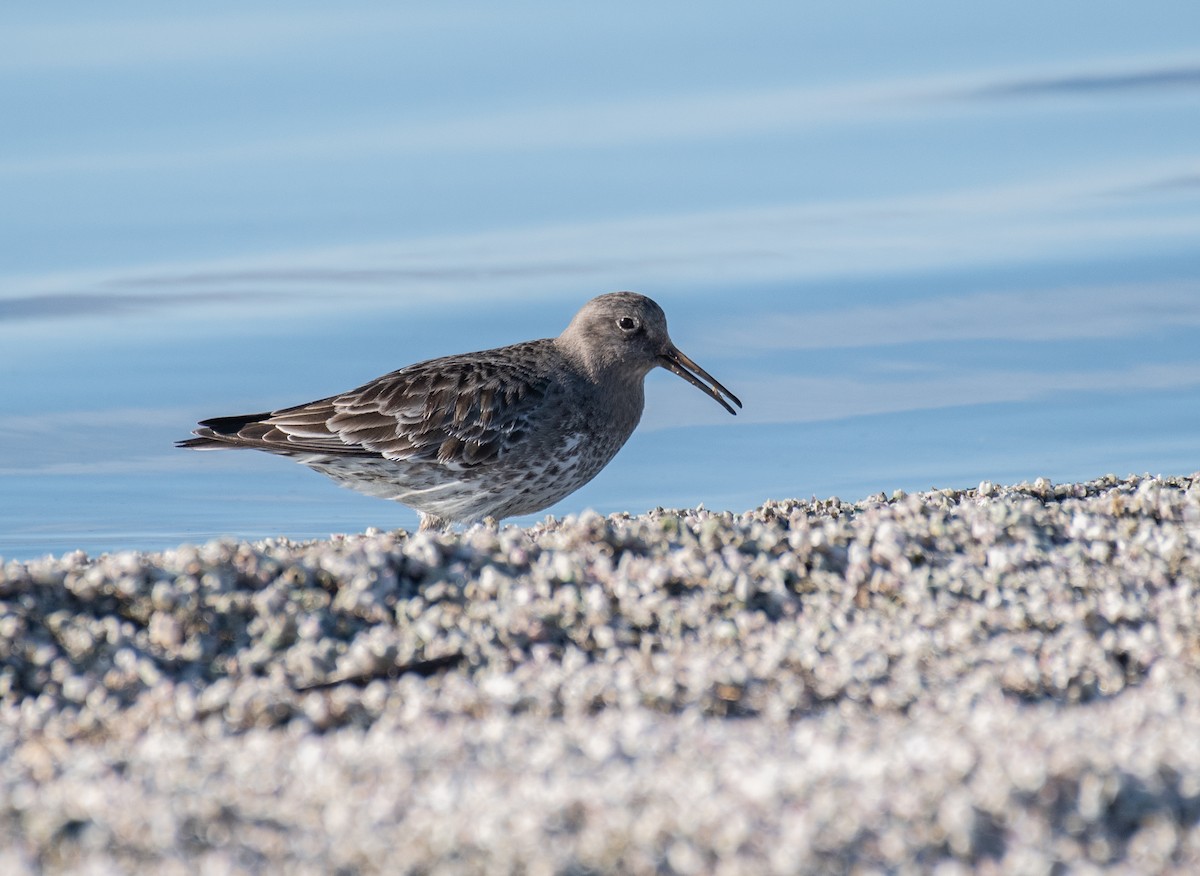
{"x": 1008, "y": 675}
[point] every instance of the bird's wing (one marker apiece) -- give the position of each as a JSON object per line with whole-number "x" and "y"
{"x": 461, "y": 411}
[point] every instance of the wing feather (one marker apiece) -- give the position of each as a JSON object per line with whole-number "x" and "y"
{"x": 460, "y": 411}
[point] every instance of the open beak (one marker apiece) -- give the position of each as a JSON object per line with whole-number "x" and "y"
{"x": 677, "y": 363}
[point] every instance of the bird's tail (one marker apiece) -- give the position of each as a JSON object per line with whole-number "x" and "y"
{"x": 221, "y": 433}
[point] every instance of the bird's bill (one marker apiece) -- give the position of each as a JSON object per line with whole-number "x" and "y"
{"x": 677, "y": 363}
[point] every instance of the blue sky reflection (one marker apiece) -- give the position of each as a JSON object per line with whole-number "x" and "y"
{"x": 924, "y": 252}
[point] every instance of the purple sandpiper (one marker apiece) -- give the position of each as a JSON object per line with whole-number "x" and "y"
{"x": 491, "y": 434}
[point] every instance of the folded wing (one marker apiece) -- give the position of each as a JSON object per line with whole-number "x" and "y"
{"x": 461, "y": 411}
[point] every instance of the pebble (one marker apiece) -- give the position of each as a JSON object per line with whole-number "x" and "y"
{"x": 1001, "y": 679}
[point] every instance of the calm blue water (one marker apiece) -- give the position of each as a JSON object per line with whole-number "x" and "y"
{"x": 925, "y": 249}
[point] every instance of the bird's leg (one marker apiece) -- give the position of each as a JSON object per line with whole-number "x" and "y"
{"x": 433, "y": 523}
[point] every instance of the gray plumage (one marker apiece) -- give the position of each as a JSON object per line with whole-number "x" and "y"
{"x": 496, "y": 433}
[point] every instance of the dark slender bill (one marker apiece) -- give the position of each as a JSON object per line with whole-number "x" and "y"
{"x": 676, "y": 362}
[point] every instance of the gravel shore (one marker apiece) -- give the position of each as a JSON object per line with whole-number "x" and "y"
{"x": 1004, "y": 679}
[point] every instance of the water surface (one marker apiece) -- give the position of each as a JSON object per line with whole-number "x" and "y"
{"x": 925, "y": 251}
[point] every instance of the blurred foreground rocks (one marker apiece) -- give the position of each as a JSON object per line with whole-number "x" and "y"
{"x": 1004, "y": 679}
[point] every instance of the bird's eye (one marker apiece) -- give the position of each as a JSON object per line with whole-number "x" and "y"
{"x": 627, "y": 324}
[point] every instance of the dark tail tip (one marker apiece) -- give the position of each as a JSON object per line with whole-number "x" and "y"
{"x": 232, "y": 425}
{"x": 220, "y": 432}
